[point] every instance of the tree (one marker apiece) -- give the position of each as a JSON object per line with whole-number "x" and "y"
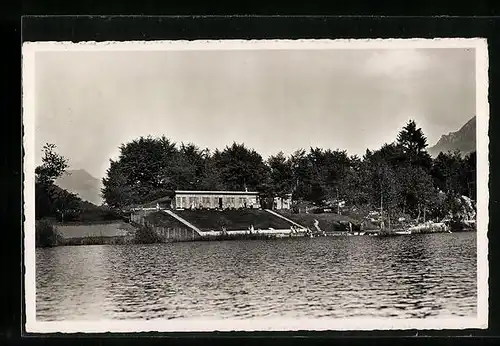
{"x": 417, "y": 190}
{"x": 337, "y": 167}
{"x": 145, "y": 161}
{"x": 241, "y": 168}
{"x": 447, "y": 172}
{"x": 281, "y": 175}
{"x": 392, "y": 153}
{"x": 116, "y": 191}
{"x": 147, "y": 168}
{"x": 413, "y": 143}
{"x": 384, "y": 190}
{"x": 470, "y": 175}
{"x": 355, "y": 182}
{"x": 412, "y": 139}
{"x": 301, "y": 170}
{"x": 52, "y": 167}
{"x": 187, "y": 167}
{"x": 319, "y": 176}
{"x": 211, "y": 178}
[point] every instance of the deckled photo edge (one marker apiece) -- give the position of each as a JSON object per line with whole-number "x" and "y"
{"x": 253, "y": 44}
{"x": 285, "y": 324}
{"x": 28, "y": 94}
{"x": 482, "y": 107}
{"x": 28, "y": 84}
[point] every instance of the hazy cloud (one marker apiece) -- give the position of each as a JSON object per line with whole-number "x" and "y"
{"x": 397, "y": 63}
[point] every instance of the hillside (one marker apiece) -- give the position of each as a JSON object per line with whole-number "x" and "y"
{"x": 83, "y": 184}
{"x": 463, "y": 140}
{"x": 232, "y": 220}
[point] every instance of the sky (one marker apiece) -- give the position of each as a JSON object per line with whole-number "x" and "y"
{"x": 90, "y": 102}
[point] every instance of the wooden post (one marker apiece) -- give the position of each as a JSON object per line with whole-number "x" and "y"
{"x": 389, "y": 219}
{"x": 338, "y": 202}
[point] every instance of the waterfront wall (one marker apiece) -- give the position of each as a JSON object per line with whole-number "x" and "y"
{"x": 174, "y": 234}
{"x": 163, "y": 226}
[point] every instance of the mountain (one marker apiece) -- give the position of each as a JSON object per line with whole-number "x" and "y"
{"x": 463, "y": 140}
{"x": 83, "y": 184}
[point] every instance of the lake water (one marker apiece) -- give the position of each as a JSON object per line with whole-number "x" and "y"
{"x": 412, "y": 276}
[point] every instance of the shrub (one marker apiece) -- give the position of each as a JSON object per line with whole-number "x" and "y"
{"x": 147, "y": 235}
{"x": 46, "y": 234}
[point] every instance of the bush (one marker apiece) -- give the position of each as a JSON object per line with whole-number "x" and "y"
{"x": 46, "y": 234}
{"x": 147, "y": 235}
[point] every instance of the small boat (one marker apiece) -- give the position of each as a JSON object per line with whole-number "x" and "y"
{"x": 402, "y": 232}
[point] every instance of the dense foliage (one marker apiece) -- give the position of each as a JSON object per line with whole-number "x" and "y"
{"x": 53, "y": 202}
{"x": 400, "y": 177}
{"x": 46, "y": 234}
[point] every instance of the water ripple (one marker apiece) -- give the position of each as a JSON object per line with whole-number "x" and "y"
{"x": 406, "y": 277}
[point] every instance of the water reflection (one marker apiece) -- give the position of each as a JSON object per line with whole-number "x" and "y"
{"x": 414, "y": 276}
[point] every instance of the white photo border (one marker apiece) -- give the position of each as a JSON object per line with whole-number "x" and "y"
{"x": 29, "y": 51}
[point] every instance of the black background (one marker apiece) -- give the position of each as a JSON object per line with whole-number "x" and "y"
{"x": 124, "y": 28}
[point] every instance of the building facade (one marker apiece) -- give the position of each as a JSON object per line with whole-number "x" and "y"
{"x": 216, "y": 199}
{"x": 283, "y": 203}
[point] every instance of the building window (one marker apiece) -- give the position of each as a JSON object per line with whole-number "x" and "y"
{"x": 192, "y": 202}
{"x": 206, "y": 202}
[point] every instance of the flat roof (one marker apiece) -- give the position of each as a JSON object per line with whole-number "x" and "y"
{"x": 216, "y": 192}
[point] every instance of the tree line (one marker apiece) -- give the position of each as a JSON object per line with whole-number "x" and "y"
{"x": 53, "y": 202}
{"x": 400, "y": 177}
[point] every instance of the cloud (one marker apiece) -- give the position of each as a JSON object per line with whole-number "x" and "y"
{"x": 396, "y": 63}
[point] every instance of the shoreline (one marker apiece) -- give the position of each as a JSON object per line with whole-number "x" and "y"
{"x": 121, "y": 232}
{"x": 129, "y": 240}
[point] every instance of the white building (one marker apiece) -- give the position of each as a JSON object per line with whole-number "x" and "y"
{"x": 185, "y": 199}
{"x": 283, "y": 203}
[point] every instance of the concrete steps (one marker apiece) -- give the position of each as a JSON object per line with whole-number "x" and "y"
{"x": 284, "y": 218}
{"x": 185, "y": 222}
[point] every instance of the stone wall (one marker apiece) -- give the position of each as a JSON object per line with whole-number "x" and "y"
{"x": 169, "y": 234}
{"x": 167, "y": 231}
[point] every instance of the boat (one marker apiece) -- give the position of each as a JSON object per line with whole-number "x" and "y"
{"x": 405, "y": 232}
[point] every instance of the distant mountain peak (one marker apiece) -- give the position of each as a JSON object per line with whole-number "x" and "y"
{"x": 82, "y": 183}
{"x": 463, "y": 140}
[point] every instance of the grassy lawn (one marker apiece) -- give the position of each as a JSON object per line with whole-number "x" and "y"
{"x": 207, "y": 220}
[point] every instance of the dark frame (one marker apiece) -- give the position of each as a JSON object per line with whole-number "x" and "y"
{"x": 152, "y": 28}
